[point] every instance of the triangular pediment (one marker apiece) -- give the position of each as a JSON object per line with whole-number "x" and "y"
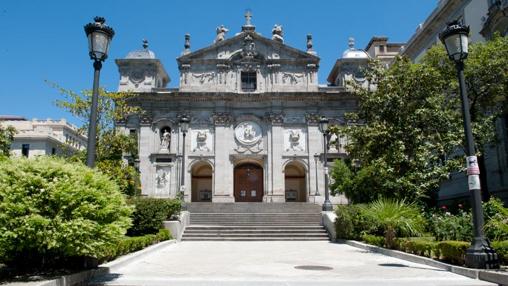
{"x": 249, "y": 44}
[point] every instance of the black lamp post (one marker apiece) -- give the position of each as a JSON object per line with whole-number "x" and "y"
{"x": 479, "y": 254}
{"x": 323, "y": 127}
{"x": 99, "y": 36}
{"x": 184, "y": 127}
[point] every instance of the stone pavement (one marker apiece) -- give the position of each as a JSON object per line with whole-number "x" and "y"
{"x": 275, "y": 263}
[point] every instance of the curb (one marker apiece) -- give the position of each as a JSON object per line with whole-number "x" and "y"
{"x": 126, "y": 259}
{"x": 493, "y": 276}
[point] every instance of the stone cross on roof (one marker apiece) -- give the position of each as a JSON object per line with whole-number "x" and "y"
{"x": 248, "y": 17}
{"x": 351, "y": 43}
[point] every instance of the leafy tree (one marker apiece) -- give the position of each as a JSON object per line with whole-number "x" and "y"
{"x": 111, "y": 145}
{"x": 408, "y": 132}
{"x": 6, "y": 137}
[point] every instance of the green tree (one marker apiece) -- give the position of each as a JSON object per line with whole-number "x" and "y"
{"x": 408, "y": 132}
{"x": 111, "y": 145}
{"x": 6, "y": 137}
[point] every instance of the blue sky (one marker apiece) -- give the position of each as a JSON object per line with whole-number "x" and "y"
{"x": 44, "y": 40}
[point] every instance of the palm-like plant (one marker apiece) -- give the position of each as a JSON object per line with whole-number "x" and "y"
{"x": 396, "y": 217}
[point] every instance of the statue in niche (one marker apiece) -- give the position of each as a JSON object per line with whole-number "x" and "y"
{"x": 165, "y": 139}
{"x": 294, "y": 141}
{"x": 221, "y": 33}
{"x": 201, "y": 142}
{"x": 277, "y": 33}
{"x": 161, "y": 178}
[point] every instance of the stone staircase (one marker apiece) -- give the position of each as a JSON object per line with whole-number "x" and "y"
{"x": 254, "y": 222}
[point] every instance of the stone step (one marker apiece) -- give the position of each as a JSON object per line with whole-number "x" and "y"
{"x": 274, "y": 232}
{"x": 213, "y": 227}
{"x": 198, "y": 207}
{"x": 253, "y": 238}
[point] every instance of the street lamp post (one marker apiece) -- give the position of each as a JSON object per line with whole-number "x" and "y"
{"x": 323, "y": 127}
{"x": 479, "y": 254}
{"x": 99, "y": 36}
{"x": 184, "y": 127}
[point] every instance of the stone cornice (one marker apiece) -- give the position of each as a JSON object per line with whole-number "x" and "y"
{"x": 319, "y": 96}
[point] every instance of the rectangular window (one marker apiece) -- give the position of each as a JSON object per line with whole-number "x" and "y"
{"x": 25, "y": 149}
{"x": 53, "y": 151}
{"x": 249, "y": 82}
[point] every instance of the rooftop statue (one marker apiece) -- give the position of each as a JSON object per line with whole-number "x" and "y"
{"x": 277, "y": 33}
{"x": 221, "y": 33}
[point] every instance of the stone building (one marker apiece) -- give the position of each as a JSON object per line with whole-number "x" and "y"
{"x": 254, "y": 105}
{"x": 43, "y": 137}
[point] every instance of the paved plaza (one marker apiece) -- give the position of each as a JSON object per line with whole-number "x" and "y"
{"x": 276, "y": 263}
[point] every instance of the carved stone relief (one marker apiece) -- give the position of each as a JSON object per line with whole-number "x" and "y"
{"x": 294, "y": 139}
{"x": 162, "y": 180}
{"x": 248, "y": 133}
{"x": 222, "y": 118}
{"x": 201, "y": 140}
{"x": 204, "y": 77}
{"x": 292, "y": 78}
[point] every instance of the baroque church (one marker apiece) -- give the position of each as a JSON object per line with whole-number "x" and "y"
{"x": 253, "y": 105}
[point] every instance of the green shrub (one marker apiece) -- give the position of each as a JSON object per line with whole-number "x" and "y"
{"x": 52, "y": 209}
{"x": 418, "y": 246}
{"x": 453, "y": 251}
{"x": 496, "y": 218}
{"x": 397, "y": 218}
{"x": 149, "y": 214}
{"x": 130, "y": 244}
{"x": 374, "y": 240}
{"x": 351, "y": 223}
{"x": 445, "y": 226}
{"x": 501, "y": 247}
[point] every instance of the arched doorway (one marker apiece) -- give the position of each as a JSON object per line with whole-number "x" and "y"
{"x": 248, "y": 183}
{"x": 294, "y": 182}
{"x": 202, "y": 176}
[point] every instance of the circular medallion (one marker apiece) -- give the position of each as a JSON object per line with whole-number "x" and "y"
{"x": 137, "y": 76}
{"x": 248, "y": 132}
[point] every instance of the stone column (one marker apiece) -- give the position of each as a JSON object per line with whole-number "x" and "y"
{"x": 315, "y": 145}
{"x": 223, "y": 175}
{"x": 146, "y": 147}
{"x": 275, "y": 152}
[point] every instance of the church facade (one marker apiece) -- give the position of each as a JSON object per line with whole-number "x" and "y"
{"x": 253, "y": 103}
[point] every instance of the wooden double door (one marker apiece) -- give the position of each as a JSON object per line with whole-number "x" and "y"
{"x": 248, "y": 183}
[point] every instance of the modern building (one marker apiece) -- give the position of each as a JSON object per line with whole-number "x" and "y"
{"x": 43, "y": 137}
{"x": 254, "y": 104}
{"x": 484, "y": 17}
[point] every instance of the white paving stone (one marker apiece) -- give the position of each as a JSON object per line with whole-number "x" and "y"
{"x": 273, "y": 263}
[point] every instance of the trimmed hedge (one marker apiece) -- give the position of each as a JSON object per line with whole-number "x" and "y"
{"x": 149, "y": 214}
{"x": 130, "y": 244}
{"x": 51, "y": 210}
{"x": 418, "y": 246}
{"x": 452, "y": 251}
{"x": 501, "y": 247}
{"x": 374, "y": 240}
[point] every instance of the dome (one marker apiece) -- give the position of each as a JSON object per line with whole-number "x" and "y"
{"x": 144, "y": 53}
{"x": 353, "y": 53}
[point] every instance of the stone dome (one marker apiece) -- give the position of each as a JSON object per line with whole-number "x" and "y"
{"x": 144, "y": 53}
{"x": 353, "y": 53}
